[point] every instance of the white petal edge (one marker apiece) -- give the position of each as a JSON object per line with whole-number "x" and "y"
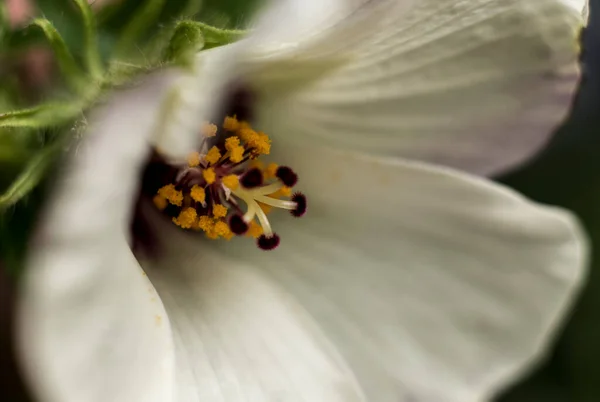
{"x": 424, "y": 283}
{"x": 475, "y": 85}
{"x": 90, "y": 325}
{"x": 195, "y": 98}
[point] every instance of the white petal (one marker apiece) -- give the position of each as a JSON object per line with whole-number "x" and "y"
{"x": 91, "y": 327}
{"x": 194, "y": 99}
{"x": 477, "y": 85}
{"x": 238, "y": 336}
{"x": 429, "y": 286}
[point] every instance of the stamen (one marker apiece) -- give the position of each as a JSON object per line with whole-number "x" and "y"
{"x": 219, "y": 211}
{"x": 207, "y": 193}
{"x": 160, "y": 202}
{"x": 209, "y": 175}
{"x": 213, "y": 156}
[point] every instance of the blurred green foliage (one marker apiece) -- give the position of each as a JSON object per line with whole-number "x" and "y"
{"x": 567, "y": 174}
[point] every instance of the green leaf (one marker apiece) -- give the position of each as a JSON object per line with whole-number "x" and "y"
{"x": 92, "y": 52}
{"x": 71, "y": 71}
{"x": 187, "y": 39}
{"x": 45, "y": 115}
{"x": 31, "y": 176}
{"x": 214, "y": 37}
{"x": 136, "y": 27}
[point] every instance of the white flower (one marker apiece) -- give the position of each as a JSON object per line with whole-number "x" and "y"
{"x": 405, "y": 281}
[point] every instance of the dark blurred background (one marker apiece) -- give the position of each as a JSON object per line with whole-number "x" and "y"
{"x": 567, "y": 174}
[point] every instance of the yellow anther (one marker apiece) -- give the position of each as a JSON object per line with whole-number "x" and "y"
{"x": 160, "y": 202}
{"x": 212, "y": 234}
{"x": 205, "y": 223}
{"x": 213, "y": 155}
{"x": 194, "y": 159}
{"x": 222, "y": 228}
{"x": 231, "y": 123}
{"x": 198, "y": 194}
{"x": 270, "y": 171}
{"x": 232, "y": 142}
{"x": 260, "y": 142}
{"x": 186, "y": 219}
{"x": 209, "y": 175}
{"x": 254, "y": 230}
{"x": 172, "y": 195}
{"x": 231, "y": 181}
{"x": 219, "y": 211}
{"x": 245, "y": 133}
{"x": 209, "y": 130}
{"x": 236, "y": 155}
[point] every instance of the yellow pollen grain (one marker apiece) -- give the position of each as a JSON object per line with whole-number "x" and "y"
{"x": 209, "y": 130}
{"x": 213, "y": 155}
{"x": 222, "y": 228}
{"x": 270, "y": 171}
{"x": 209, "y": 175}
{"x": 219, "y": 211}
{"x": 198, "y": 194}
{"x": 232, "y": 142}
{"x": 160, "y": 202}
{"x": 246, "y": 133}
{"x": 205, "y": 223}
{"x": 193, "y": 159}
{"x": 186, "y": 218}
{"x": 237, "y": 154}
{"x": 169, "y": 192}
{"x": 254, "y": 230}
{"x": 212, "y": 234}
{"x": 231, "y": 123}
{"x": 231, "y": 181}
{"x": 260, "y": 142}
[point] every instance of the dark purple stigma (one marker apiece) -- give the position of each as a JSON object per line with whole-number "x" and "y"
{"x": 268, "y": 243}
{"x": 287, "y": 176}
{"x": 237, "y": 225}
{"x": 252, "y": 178}
{"x": 300, "y": 200}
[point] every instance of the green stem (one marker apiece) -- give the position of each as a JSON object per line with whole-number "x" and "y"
{"x": 136, "y": 27}
{"x": 42, "y": 116}
{"x": 73, "y": 74}
{"x": 92, "y": 55}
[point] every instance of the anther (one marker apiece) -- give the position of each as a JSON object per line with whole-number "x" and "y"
{"x": 287, "y": 176}
{"x": 300, "y": 200}
{"x": 238, "y": 225}
{"x": 268, "y": 242}
{"x": 252, "y": 178}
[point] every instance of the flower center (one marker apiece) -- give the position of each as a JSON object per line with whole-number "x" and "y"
{"x": 209, "y": 192}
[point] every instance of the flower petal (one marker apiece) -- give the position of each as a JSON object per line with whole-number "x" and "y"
{"x": 474, "y": 85}
{"x": 194, "y": 99}
{"x": 238, "y": 336}
{"x": 427, "y": 284}
{"x": 91, "y": 327}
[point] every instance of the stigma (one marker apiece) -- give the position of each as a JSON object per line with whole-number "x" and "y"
{"x": 225, "y": 190}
